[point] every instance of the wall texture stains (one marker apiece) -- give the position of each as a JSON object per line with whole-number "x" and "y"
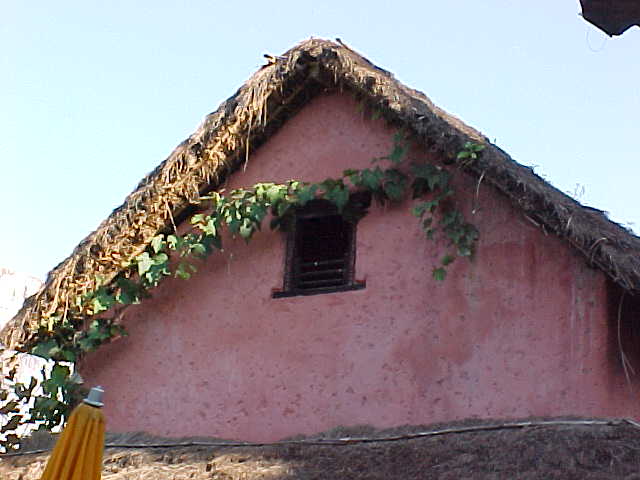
{"x": 522, "y": 330}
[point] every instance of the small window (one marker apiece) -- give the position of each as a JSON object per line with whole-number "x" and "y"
{"x": 320, "y": 252}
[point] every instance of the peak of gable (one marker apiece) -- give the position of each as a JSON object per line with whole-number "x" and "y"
{"x": 252, "y": 115}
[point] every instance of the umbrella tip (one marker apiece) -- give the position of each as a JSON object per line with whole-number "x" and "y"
{"x": 95, "y": 397}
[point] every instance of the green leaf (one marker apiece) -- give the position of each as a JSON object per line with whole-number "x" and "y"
{"x": 129, "y": 292}
{"x": 198, "y": 249}
{"x": 421, "y": 173}
{"x": 470, "y": 150}
{"x": 260, "y": 191}
{"x": 156, "y": 272}
{"x": 474, "y": 147}
{"x": 293, "y": 185}
{"x": 399, "y": 148}
{"x": 157, "y": 243}
{"x": 447, "y": 260}
{"x": 398, "y": 153}
{"x": 394, "y": 184}
{"x": 208, "y": 227}
{"x": 424, "y": 207}
{"x": 275, "y": 193}
{"x": 144, "y": 263}
{"x": 439, "y": 274}
{"x": 45, "y": 349}
{"x": 47, "y": 404}
{"x": 160, "y": 259}
{"x": 354, "y": 176}
{"x": 68, "y": 355}
{"x": 246, "y": 229}
{"x": 450, "y": 218}
{"x": 428, "y": 178}
{"x": 394, "y": 191}
{"x": 418, "y": 210}
{"x": 329, "y": 184}
{"x": 257, "y": 212}
{"x": 339, "y": 196}
{"x": 372, "y": 179}
{"x": 60, "y": 374}
{"x": 441, "y": 180}
{"x": 86, "y": 344}
{"x": 234, "y": 224}
{"x": 282, "y": 209}
{"x": 197, "y": 218}
{"x": 173, "y": 242}
{"x": 306, "y": 194}
{"x": 102, "y": 301}
{"x": 185, "y": 270}
{"x": 98, "y": 331}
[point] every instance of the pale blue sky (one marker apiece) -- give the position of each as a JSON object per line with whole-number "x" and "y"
{"x": 93, "y": 95}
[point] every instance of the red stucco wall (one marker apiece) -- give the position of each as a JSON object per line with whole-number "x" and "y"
{"x": 520, "y": 331}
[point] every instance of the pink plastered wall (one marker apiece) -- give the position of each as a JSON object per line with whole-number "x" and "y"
{"x": 522, "y": 330}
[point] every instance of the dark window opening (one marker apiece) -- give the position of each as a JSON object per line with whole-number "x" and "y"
{"x": 320, "y": 252}
{"x": 624, "y": 333}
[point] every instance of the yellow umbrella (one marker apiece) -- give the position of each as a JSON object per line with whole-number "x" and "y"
{"x": 78, "y": 452}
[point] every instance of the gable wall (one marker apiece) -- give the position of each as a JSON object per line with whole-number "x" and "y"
{"x": 522, "y": 330}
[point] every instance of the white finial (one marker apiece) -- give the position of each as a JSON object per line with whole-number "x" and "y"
{"x": 95, "y": 397}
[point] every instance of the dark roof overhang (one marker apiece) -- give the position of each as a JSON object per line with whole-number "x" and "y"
{"x": 613, "y": 17}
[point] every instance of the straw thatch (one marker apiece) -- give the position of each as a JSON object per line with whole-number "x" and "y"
{"x": 545, "y": 450}
{"x": 613, "y": 17}
{"x": 251, "y": 115}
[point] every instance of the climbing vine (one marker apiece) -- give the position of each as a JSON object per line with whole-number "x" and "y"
{"x": 86, "y": 327}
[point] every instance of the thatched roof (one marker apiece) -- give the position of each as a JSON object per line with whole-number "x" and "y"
{"x": 613, "y": 17}
{"x": 252, "y": 115}
{"x": 589, "y": 450}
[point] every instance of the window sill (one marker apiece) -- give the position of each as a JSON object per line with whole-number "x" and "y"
{"x": 319, "y": 291}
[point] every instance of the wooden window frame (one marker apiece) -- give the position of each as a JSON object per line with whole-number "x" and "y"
{"x": 315, "y": 209}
